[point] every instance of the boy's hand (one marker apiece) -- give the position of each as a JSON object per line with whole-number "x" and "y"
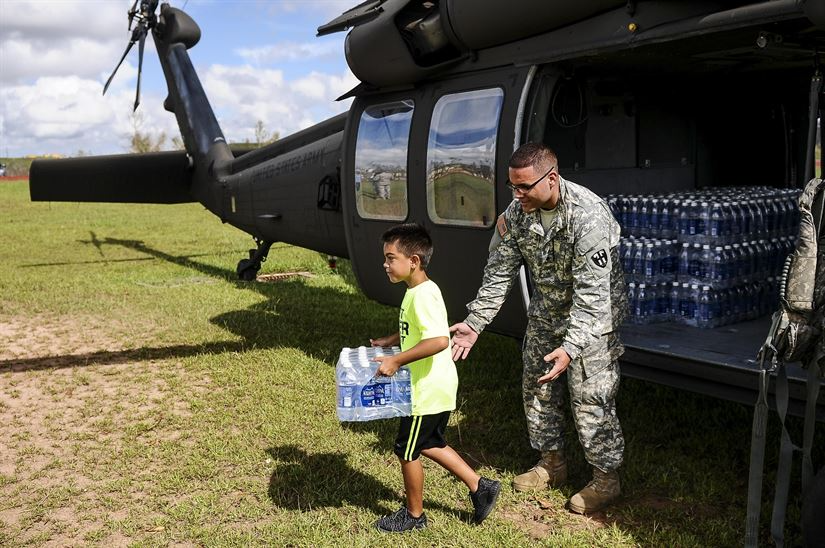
{"x": 388, "y": 365}
{"x": 464, "y": 337}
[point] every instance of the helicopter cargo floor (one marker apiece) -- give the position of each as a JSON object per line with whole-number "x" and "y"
{"x": 718, "y": 362}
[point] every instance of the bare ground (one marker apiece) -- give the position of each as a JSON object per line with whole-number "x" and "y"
{"x": 66, "y": 413}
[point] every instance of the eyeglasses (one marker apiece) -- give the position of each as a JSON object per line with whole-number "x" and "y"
{"x": 524, "y": 189}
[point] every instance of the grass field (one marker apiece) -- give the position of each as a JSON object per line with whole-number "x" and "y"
{"x": 150, "y": 399}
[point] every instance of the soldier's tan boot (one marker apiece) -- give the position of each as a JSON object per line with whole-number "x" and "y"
{"x": 603, "y": 489}
{"x": 550, "y": 471}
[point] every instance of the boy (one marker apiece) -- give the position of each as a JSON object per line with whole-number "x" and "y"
{"x": 424, "y": 338}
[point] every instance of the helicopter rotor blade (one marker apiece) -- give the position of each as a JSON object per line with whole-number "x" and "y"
{"x": 131, "y": 13}
{"x": 109, "y": 81}
{"x": 141, "y": 45}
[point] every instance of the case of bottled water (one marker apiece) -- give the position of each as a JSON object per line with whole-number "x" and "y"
{"x": 364, "y": 397}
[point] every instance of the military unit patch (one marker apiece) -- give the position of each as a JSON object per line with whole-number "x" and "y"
{"x": 599, "y": 258}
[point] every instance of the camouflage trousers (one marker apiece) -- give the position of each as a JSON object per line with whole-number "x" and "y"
{"x": 590, "y": 383}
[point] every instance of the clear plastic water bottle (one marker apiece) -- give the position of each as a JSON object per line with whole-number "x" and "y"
{"x": 705, "y": 262}
{"x": 758, "y": 221}
{"x": 641, "y": 304}
{"x": 655, "y": 229}
{"x": 718, "y": 272}
{"x": 684, "y": 221}
{"x": 644, "y": 217}
{"x": 673, "y": 305}
{"x": 684, "y": 263}
{"x": 663, "y": 302}
{"x": 695, "y": 266}
{"x": 633, "y": 219}
{"x": 717, "y": 224}
{"x": 703, "y": 222}
{"x": 638, "y": 262}
{"x": 348, "y": 392}
{"x": 632, "y": 302}
{"x": 402, "y": 395}
{"x": 666, "y": 219}
{"x": 627, "y": 259}
{"x": 649, "y": 264}
{"x": 705, "y": 317}
{"x": 687, "y": 306}
{"x": 736, "y": 221}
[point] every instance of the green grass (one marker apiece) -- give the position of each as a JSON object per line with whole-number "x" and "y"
{"x": 160, "y": 401}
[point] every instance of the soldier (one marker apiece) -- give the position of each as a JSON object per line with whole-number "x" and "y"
{"x": 567, "y": 237}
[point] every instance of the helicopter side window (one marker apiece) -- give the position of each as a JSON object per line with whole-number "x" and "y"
{"x": 381, "y": 161}
{"x": 461, "y": 158}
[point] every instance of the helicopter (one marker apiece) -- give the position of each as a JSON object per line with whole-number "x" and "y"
{"x": 634, "y": 96}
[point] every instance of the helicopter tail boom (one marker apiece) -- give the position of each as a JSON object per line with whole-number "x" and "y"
{"x": 151, "y": 178}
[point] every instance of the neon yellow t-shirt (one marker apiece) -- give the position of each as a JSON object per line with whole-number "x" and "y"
{"x": 434, "y": 379}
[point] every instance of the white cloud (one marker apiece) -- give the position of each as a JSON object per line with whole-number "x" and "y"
{"x": 63, "y": 114}
{"x": 290, "y": 51}
{"x": 243, "y": 95}
{"x": 47, "y": 38}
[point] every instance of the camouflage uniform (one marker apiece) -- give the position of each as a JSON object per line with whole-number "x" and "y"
{"x": 577, "y": 302}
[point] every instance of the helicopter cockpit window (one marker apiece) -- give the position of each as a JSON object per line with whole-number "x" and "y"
{"x": 381, "y": 161}
{"x": 461, "y": 158}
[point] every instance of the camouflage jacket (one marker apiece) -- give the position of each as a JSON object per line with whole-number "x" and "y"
{"x": 576, "y": 278}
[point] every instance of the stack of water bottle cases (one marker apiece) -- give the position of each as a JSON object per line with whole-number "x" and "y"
{"x": 708, "y": 257}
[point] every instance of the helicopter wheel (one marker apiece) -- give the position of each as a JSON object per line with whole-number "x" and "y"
{"x": 247, "y": 270}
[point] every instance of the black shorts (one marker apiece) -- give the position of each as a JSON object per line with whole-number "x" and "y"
{"x": 420, "y": 432}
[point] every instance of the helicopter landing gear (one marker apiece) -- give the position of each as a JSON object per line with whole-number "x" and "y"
{"x": 248, "y": 268}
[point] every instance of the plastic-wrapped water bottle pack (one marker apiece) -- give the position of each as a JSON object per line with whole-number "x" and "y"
{"x": 363, "y": 396}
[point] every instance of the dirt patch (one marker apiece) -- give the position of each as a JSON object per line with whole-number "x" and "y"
{"x": 68, "y": 428}
{"x": 54, "y": 335}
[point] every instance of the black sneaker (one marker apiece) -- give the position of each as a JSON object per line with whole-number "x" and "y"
{"x": 484, "y": 499}
{"x": 400, "y": 521}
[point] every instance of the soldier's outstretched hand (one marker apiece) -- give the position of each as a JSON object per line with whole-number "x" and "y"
{"x": 560, "y": 361}
{"x": 464, "y": 337}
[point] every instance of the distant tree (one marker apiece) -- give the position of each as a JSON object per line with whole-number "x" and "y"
{"x": 80, "y": 152}
{"x": 262, "y": 136}
{"x": 144, "y": 141}
{"x": 177, "y": 143}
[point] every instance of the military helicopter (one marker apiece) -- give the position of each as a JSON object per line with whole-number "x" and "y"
{"x": 634, "y": 96}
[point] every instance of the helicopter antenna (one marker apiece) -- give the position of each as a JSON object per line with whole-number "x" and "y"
{"x": 145, "y": 17}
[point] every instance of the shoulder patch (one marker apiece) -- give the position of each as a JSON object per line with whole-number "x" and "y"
{"x": 599, "y": 258}
{"x": 501, "y": 225}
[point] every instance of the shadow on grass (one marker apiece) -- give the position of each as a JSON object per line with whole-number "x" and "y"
{"x": 106, "y": 357}
{"x": 303, "y": 481}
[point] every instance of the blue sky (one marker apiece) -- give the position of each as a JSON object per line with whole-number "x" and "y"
{"x": 257, "y": 60}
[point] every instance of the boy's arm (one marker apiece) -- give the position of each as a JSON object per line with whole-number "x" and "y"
{"x": 389, "y": 340}
{"x": 424, "y": 349}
